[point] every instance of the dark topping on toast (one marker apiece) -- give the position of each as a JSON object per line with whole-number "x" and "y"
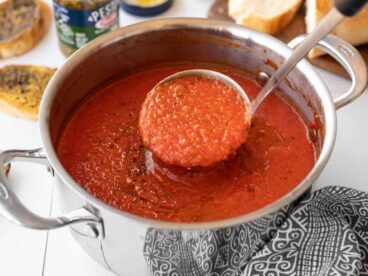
{"x": 16, "y": 17}
{"x": 22, "y": 86}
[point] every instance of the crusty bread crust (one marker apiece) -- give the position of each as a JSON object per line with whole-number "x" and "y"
{"x": 28, "y": 39}
{"x": 271, "y": 25}
{"x": 353, "y": 30}
{"x": 4, "y": 3}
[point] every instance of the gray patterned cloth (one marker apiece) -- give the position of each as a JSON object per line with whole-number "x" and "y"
{"x": 325, "y": 233}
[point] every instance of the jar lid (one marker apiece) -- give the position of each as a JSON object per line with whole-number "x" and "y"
{"x": 145, "y": 11}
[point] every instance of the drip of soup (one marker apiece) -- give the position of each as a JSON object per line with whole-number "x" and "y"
{"x": 102, "y": 149}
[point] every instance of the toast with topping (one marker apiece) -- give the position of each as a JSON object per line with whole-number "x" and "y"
{"x": 21, "y": 89}
{"x": 23, "y": 24}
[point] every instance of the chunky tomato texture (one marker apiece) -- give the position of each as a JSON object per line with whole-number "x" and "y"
{"x": 193, "y": 121}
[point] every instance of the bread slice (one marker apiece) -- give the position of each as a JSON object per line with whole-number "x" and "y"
{"x": 4, "y": 3}
{"x": 354, "y": 30}
{"x": 21, "y": 89}
{"x": 23, "y": 24}
{"x": 269, "y": 16}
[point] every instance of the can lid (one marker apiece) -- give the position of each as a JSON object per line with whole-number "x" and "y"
{"x": 146, "y": 11}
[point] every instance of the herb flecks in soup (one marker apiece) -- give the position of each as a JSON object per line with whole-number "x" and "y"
{"x": 193, "y": 121}
{"x": 102, "y": 149}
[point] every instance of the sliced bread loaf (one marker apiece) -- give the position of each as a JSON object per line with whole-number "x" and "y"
{"x": 353, "y": 30}
{"x": 269, "y": 16}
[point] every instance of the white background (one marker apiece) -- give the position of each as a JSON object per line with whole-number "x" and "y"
{"x": 28, "y": 252}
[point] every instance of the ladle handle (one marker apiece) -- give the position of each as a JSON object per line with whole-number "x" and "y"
{"x": 328, "y": 23}
{"x": 350, "y": 7}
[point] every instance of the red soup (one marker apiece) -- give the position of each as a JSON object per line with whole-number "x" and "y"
{"x": 102, "y": 149}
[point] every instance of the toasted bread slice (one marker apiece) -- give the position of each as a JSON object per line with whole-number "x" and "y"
{"x": 354, "y": 30}
{"x": 23, "y": 24}
{"x": 269, "y": 16}
{"x": 21, "y": 89}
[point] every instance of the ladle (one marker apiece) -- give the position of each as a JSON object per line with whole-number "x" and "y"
{"x": 177, "y": 152}
{"x": 342, "y": 9}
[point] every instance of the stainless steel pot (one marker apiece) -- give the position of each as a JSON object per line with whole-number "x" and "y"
{"x": 121, "y": 241}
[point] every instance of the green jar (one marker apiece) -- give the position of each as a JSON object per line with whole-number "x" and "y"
{"x": 80, "y": 21}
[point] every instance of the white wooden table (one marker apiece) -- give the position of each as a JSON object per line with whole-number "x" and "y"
{"x": 28, "y": 252}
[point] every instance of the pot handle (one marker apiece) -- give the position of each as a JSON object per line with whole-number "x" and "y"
{"x": 12, "y": 209}
{"x": 349, "y": 58}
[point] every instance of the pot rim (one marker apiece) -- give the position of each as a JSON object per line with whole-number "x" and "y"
{"x": 196, "y": 23}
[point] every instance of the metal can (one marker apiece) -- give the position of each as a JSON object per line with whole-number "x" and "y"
{"x": 80, "y": 21}
{"x": 145, "y": 7}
